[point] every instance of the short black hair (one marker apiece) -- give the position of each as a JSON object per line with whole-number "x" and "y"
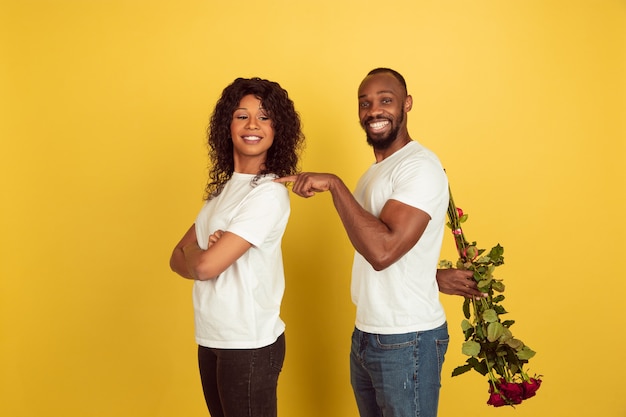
{"x": 395, "y": 73}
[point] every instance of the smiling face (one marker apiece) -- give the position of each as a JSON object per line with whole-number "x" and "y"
{"x": 383, "y": 104}
{"x": 252, "y": 134}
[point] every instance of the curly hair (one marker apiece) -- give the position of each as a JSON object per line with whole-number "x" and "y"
{"x": 282, "y": 157}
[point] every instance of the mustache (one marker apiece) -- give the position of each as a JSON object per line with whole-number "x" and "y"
{"x": 373, "y": 119}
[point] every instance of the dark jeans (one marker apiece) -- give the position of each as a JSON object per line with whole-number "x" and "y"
{"x": 241, "y": 382}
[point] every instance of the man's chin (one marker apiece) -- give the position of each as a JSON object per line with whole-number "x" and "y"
{"x": 379, "y": 143}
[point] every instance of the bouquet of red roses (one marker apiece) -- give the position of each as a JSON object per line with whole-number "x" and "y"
{"x": 489, "y": 343}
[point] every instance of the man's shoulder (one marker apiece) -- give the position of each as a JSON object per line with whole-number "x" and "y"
{"x": 417, "y": 154}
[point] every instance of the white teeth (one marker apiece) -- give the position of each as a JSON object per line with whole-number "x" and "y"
{"x": 252, "y": 138}
{"x": 379, "y": 125}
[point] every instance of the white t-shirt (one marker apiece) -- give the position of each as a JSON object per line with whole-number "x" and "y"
{"x": 404, "y": 297}
{"x": 240, "y": 308}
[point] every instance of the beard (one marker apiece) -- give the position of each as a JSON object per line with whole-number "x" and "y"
{"x": 383, "y": 142}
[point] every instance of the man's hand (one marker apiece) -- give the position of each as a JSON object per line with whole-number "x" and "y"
{"x": 458, "y": 282}
{"x": 306, "y": 184}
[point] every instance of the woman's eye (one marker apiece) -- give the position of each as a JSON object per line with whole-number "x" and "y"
{"x": 241, "y": 117}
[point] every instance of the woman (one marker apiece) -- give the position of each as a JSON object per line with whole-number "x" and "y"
{"x": 233, "y": 250}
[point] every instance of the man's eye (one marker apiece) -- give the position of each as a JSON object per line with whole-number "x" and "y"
{"x": 363, "y": 104}
{"x": 386, "y": 100}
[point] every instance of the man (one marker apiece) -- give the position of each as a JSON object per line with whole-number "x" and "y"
{"x": 395, "y": 222}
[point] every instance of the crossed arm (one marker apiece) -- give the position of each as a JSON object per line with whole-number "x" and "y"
{"x": 190, "y": 261}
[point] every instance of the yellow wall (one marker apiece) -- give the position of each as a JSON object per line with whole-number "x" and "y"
{"x": 103, "y": 106}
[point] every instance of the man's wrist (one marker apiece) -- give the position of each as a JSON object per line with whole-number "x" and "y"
{"x": 335, "y": 184}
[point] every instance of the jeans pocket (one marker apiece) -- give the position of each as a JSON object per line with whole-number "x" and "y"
{"x": 277, "y": 354}
{"x": 442, "y": 348}
{"x": 396, "y": 341}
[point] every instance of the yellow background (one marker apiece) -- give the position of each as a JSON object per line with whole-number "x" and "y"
{"x": 103, "y": 107}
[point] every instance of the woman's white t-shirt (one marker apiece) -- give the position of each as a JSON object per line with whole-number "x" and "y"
{"x": 240, "y": 308}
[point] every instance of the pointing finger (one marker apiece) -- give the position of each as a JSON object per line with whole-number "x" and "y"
{"x": 290, "y": 178}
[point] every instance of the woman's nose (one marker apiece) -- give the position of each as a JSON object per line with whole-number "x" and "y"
{"x": 252, "y": 123}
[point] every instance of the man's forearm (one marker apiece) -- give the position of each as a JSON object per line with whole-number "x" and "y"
{"x": 368, "y": 234}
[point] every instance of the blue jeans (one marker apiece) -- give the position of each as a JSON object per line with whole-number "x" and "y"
{"x": 398, "y": 375}
{"x": 241, "y": 382}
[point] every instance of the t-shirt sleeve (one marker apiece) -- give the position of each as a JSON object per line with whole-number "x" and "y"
{"x": 264, "y": 211}
{"x": 421, "y": 183}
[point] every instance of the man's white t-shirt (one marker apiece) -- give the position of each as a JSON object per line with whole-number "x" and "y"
{"x": 404, "y": 297}
{"x": 240, "y": 308}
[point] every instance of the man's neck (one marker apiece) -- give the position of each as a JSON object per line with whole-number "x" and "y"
{"x": 399, "y": 143}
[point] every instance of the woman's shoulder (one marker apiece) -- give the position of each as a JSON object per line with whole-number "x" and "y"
{"x": 267, "y": 184}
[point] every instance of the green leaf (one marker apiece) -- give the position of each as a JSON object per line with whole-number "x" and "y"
{"x": 525, "y": 353}
{"x": 498, "y": 286}
{"x": 508, "y": 323}
{"x": 465, "y": 325}
{"x": 514, "y": 362}
{"x": 480, "y": 334}
{"x": 496, "y": 252}
{"x": 468, "y": 333}
{"x": 479, "y": 366}
{"x": 515, "y": 344}
{"x": 484, "y": 281}
{"x": 445, "y": 264}
{"x": 498, "y": 298}
{"x": 468, "y": 329}
{"x": 470, "y": 348}
{"x": 459, "y": 370}
{"x": 490, "y": 315}
{"x": 466, "y": 308}
{"x": 499, "y": 309}
{"x": 506, "y": 335}
{"x": 501, "y": 354}
{"x": 494, "y": 331}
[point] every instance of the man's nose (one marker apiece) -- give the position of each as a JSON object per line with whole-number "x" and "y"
{"x": 374, "y": 110}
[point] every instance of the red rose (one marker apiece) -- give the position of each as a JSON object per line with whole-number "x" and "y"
{"x": 460, "y": 212}
{"x": 530, "y": 387}
{"x": 496, "y": 400}
{"x": 512, "y": 391}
